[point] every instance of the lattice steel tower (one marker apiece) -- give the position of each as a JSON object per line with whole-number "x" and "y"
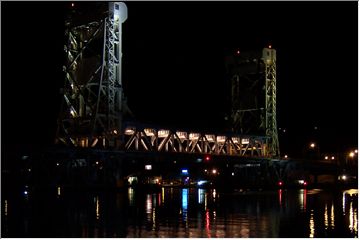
{"x": 93, "y": 105}
{"x": 269, "y": 58}
{"x": 253, "y": 95}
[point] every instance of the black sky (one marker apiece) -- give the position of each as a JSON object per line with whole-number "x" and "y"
{"x": 174, "y": 69}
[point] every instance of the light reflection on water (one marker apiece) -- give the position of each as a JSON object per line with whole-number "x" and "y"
{"x": 131, "y": 195}
{"x": 332, "y": 216}
{"x": 326, "y": 217}
{"x": 302, "y": 199}
{"x": 348, "y": 195}
{"x": 97, "y": 211}
{"x": 5, "y": 207}
{"x": 176, "y": 212}
{"x": 249, "y": 220}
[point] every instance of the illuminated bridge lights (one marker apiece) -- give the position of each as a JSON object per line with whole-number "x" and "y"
{"x": 149, "y": 132}
{"x": 166, "y": 140}
{"x": 220, "y": 139}
{"x": 194, "y": 136}
{"x": 210, "y": 138}
{"x": 182, "y": 135}
{"x": 163, "y": 133}
{"x": 129, "y": 131}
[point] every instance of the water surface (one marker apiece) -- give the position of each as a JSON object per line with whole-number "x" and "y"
{"x": 181, "y": 212}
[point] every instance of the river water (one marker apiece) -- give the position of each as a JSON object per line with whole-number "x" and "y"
{"x": 181, "y": 212}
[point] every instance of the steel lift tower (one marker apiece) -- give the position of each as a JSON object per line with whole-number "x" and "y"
{"x": 253, "y": 95}
{"x": 269, "y": 58}
{"x": 93, "y": 101}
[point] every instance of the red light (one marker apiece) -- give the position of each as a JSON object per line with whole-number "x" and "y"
{"x": 72, "y": 4}
{"x": 305, "y": 183}
{"x": 280, "y": 183}
{"x": 238, "y": 52}
{"x": 270, "y": 46}
{"x": 207, "y": 158}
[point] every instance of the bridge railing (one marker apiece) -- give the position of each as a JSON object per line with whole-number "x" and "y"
{"x": 141, "y": 138}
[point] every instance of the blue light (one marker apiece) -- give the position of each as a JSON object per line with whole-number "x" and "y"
{"x": 201, "y": 182}
{"x": 185, "y": 195}
{"x": 184, "y": 171}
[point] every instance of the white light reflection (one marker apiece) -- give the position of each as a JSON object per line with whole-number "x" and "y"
{"x": 6, "y": 207}
{"x": 326, "y": 216}
{"x": 148, "y": 204}
{"x": 153, "y": 219}
{"x": 332, "y": 216}
{"x": 162, "y": 195}
{"x": 131, "y": 196}
{"x": 343, "y": 202}
{"x": 302, "y": 199}
{"x": 201, "y": 195}
{"x": 353, "y": 220}
{"x": 97, "y": 208}
{"x": 312, "y": 224}
{"x": 58, "y": 191}
{"x": 149, "y": 210}
{"x": 214, "y": 194}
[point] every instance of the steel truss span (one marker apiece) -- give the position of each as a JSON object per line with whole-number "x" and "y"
{"x": 166, "y": 140}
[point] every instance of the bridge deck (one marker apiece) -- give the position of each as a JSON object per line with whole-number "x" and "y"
{"x": 154, "y": 139}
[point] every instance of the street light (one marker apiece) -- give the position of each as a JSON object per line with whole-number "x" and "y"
{"x": 312, "y": 150}
{"x": 351, "y": 154}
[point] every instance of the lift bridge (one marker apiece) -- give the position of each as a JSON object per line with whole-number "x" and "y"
{"x": 94, "y": 106}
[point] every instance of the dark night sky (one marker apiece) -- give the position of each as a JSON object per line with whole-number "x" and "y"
{"x": 173, "y": 59}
